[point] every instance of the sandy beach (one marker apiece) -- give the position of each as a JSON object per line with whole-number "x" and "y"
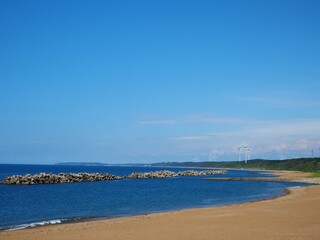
{"x": 293, "y": 216}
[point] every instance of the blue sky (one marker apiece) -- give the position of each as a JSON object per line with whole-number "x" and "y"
{"x": 148, "y": 81}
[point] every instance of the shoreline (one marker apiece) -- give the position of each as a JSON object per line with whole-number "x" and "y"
{"x": 60, "y": 221}
{"x": 210, "y": 218}
{"x": 116, "y": 225}
{"x": 279, "y": 176}
{"x": 286, "y": 192}
{"x": 106, "y": 218}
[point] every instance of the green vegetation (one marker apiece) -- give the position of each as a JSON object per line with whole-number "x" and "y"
{"x": 316, "y": 175}
{"x": 299, "y": 164}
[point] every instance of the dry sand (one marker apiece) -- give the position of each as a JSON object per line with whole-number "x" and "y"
{"x": 296, "y": 176}
{"x": 293, "y": 216}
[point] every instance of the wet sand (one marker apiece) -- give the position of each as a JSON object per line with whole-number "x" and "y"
{"x": 293, "y": 216}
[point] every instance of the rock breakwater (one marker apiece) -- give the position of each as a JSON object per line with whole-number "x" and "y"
{"x": 170, "y": 174}
{"x": 49, "y": 178}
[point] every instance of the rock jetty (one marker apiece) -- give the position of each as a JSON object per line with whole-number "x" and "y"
{"x": 170, "y": 174}
{"x": 49, "y": 178}
{"x": 157, "y": 174}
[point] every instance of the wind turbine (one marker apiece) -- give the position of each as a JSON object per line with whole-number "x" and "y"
{"x": 249, "y": 152}
{"x": 212, "y": 156}
{"x": 196, "y": 158}
{"x": 245, "y": 153}
{"x": 240, "y": 150}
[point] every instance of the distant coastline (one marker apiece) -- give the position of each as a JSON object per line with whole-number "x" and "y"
{"x": 295, "y": 164}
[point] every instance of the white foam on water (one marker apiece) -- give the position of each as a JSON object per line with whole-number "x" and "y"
{"x": 35, "y": 224}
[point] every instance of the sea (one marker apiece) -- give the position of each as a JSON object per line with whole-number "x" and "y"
{"x": 24, "y": 206}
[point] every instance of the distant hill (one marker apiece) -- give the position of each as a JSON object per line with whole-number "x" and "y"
{"x": 299, "y": 164}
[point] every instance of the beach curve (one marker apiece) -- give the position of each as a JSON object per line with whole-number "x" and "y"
{"x": 292, "y": 216}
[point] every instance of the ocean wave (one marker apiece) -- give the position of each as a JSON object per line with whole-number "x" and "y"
{"x": 35, "y": 224}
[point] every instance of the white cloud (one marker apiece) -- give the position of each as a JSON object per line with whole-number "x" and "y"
{"x": 203, "y": 133}
{"x": 272, "y": 138}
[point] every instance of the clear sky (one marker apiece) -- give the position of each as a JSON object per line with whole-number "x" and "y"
{"x": 147, "y": 81}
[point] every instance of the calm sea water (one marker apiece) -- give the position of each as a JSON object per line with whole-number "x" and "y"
{"x": 32, "y": 205}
